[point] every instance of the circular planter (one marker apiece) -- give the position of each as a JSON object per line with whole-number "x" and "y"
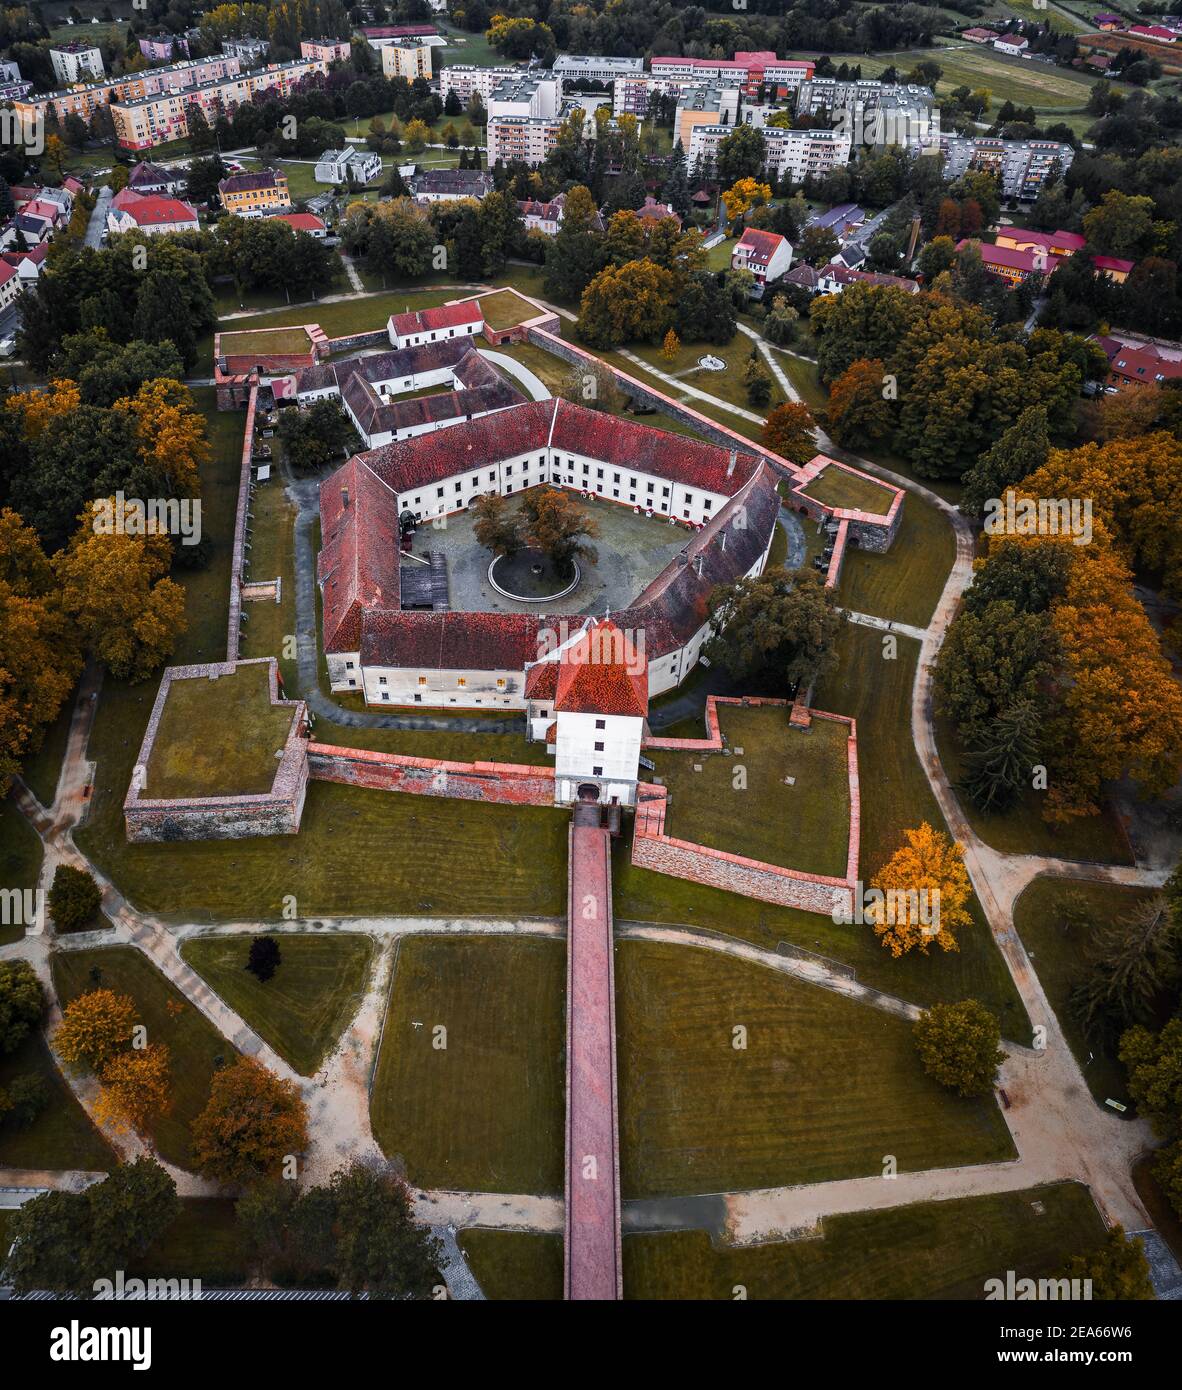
{"x": 527, "y": 571}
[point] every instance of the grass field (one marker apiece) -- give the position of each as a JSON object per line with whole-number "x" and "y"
{"x": 727, "y": 385}
{"x": 1026, "y": 83}
{"x": 505, "y": 309}
{"x": 237, "y": 343}
{"x": 41, "y": 770}
{"x": 753, "y": 811}
{"x": 485, "y": 1112}
{"x": 62, "y": 1136}
{"x": 803, "y": 374}
{"x": 824, "y": 1088}
{"x": 1057, "y": 950}
{"x": 218, "y": 737}
{"x": 1022, "y": 830}
{"x": 934, "y": 1250}
{"x": 20, "y": 860}
{"x": 271, "y": 556}
{"x": 309, "y": 1001}
{"x": 905, "y": 584}
{"x": 517, "y": 1265}
{"x": 835, "y": 487}
{"x": 169, "y": 1018}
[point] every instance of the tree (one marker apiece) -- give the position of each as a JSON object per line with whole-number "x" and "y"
{"x": 315, "y": 435}
{"x": 1154, "y": 1065}
{"x": 671, "y": 346}
{"x": 116, "y": 589}
{"x": 925, "y": 892}
{"x": 399, "y": 238}
{"x": 1002, "y": 756}
{"x": 990, "y": 659}
{"x": 628, "y": 303}
{"x": 818, "y": 246}
{"x": 1117, "y": 1270}
{"x": 741, "y": 154}
{"x": 94, "y": 1027}
{"x": 136, "y": 1086}
{"x": 1122, "y": 225}
{"x": 779, "y": 326}
{"x": 252, "y": 1122}
{"x": 23, "y": 1099}
{"x": 859, "y": 413}
{"x": 380, "y": 1247}
{"x": 1130, "y": 964}
{"x": 415, "y": 136}
{"x": 958, "y": 1046}
{"x": 106, "y": 371}
{"x": 74, "y": 898}
{"x": 557, "y": 525}
{"x": 743, "y": 195}
{"x": 937, "y": 256}
{"x": 496, "y": 527}
{"x": 790, "y": 431}
{"x": 263, "y": 958}
{"x": 784, "y": 622}
{"x": 1021, "y": 450}
{"x": 757, "y": 380}
{"x": 22, "y": 1002}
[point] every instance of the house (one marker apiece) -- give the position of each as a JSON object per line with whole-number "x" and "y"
{"x": 27, "y": 264}
{"x": 652, "y": 211}
{"x": 767, "y": 255}
{"x": 350, "y": 165}
{"x": 255, "y": 195}
{"x": 304, "y": 222}
{"x": 840, "y": 220}
{"x": 1113, "y": 267}
{"x": 1012, "y": 44}
{"x": 1053, "y": 243}
{"x": 980, "y": 35}
{"x": 154, "y": 178}
{"x": 1010, "y": 264}
{"x": 53, "y": 212}
{"x": 247, "y": 49}
{"x": 837, "y": 276}
{"x": 1107, "y": 22}
{"x": 34, "y": 230}
{"x": 151, "y": 213}
{"x": 542, "y": 217}
{"x": 10, "y": 285}
{"x": 416, "y": 327}
{"x": 448, "y": 185}
{"x": 1155, "y": 33}
{"x": 1132, "y": 368}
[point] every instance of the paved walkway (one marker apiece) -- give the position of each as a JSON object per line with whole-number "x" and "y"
{"x": 537, "y": 388}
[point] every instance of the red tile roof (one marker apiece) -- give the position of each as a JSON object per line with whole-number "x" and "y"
{"x": 446, "y": 316}
{"x": 541, "y": 681}
{"x": 1111, "y": 263}
{"x": 761, "y": 246}
{"x": 1073, "y": 240}
{"x": 301, "y": 221}
{"x": 462, "y": 641}
{"x": 243, "y": 183}
{"x": 359, "y": 558}
{"x": 1145, "y": 365}
{"x": 601, "y": 673}
{"x": 153, "y": 210}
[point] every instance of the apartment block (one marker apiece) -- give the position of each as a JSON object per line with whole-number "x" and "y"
{"x": 1020, "y": 166}
{"x": 326, "y": 50}
{"x": 800, "y": 154}
{"x": 573, "y": 67}
{"x": 255, "y": 195}
{"x": 77, "y": 62}
{"x": 704, "y": 106}
{"x": 464, "y": 79}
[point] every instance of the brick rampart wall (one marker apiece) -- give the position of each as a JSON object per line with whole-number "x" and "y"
{"x": 509, "y": 784}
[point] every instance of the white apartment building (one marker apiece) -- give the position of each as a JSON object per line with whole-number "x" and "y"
{"x": 704, "y": 106}
{"x": 525, "y": 115}
{"x": 464, "y": 79}
{"x": 580, "y": 68}
{"x": 77, "y": 62}
{"x": 350, "y": 164}
{"x": 798, "y": 153}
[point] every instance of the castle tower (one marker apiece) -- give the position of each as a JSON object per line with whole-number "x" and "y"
{"x": 600, "y": 705}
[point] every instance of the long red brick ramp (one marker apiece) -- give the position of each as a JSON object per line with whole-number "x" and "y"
{"x": 592, "y": 1256}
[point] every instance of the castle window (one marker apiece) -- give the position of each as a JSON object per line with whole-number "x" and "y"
{"x": 462, "y": 682}
{"x": 599, "y": 723}
{"x": 597, "y": 772}
{"x": 422, "y": 680}
{"x": 348, "y": 665}
{"x": 599, "y": 747}
{"x": 383, "y": 681}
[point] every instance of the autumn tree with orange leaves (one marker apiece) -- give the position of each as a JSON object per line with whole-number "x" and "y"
{"x": 95, "y": 1026}
{"x": 923, "y": 894}
{"x": 136, "y": 1086}
{"x": 253, "y": 1121}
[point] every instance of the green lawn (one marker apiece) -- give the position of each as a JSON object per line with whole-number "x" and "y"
{"x": 485, "y": 1112}
{"x": 824, "y": 1089}
{"x": 1022, "y": 830}
{"x": 835, "y": 487}
{"x": 1057, "y": 950}
{"x": 41, "y": 769}
{"x": 237, "y": 343}
{"x": 727, "y": 385}
{"x": 934, "y": 1250}
{"x": 505, "y": 309}
{"x": 193, "y": 1041}
{"x": 309, "y": 1001}
{"x": 203, "y": 1243}
{"x": 515, "y": 1265}
{"x": 894, "y": 796}
{"x": 905, "y": 584}
{"x": 803, "y": 374}
{"x": 742, "y": 804}
{"x": 218, "y": 737}
{"x": 270, "y": 624}
{"x": 62, "y": 1136}
{"x": 20, "y": 859}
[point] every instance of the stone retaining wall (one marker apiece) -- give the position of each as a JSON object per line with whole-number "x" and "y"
{"x": 353, "y": 342}
{"x": 506, "y": 784}
{"x": 234, "y": 621}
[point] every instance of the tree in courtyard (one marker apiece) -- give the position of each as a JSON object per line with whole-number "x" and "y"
{"x": 859, "y": 413}
{"x": 317, "y": 435}
{"x": 1130, "y": 964}
{"x": 497, "y": 526}
{"x": 1022, "y": 449}
{"x": 790, "y": 431}
{"x": 1002, "y": 756}
{"x": 252, "y": 1122}
{"x": 757, "y": 381}
{"x": 593, "y": 384}
{"x": 784, "y": 622}
{"x": 924, "y": 892}
{"x": 74, "y": 898}
{"x": 958, "y": 1046}
{"x": 555, "y": 523}
{"x": 94, "y": 1027}
{"x": 263, "y": 958}
{"x": 671, "y": 346}
{"x": 136, "y": 1086}
{"x": 22, "y": 1002}
{"x": 1118, "y": 1269}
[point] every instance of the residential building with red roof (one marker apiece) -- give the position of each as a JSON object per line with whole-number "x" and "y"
{"x": 416, "y": 327}
{"x": 255, "y": 195}
{"x": 151, "y": 213}
{"x": 979, "y": 35}
{"x": 767, "y": 255}
{"x": 10, "y": 284}
{"x": 304, "y": 222}
{"x": 1158, "y": 33}
{"x": 1010, "y": 264}
{"x": 1114, "y": 267}
{"x": 1053, "y": 243}
{"x": 1130, "y": 369}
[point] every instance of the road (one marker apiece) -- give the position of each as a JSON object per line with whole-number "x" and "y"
{"x": 98, "y": 219}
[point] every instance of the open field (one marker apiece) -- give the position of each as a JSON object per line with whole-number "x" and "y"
{"x": 62, "y": 1136}
{"x": 204, "y": 1242}
{"x": 934, "y": 1250}
{"x": 194, "y": 1043}
{"x": 309, "y": 1001}
{"x": 218, "y": 737}
{"x": 834, "y": 487}
{"x": 803, "y": 826}
{"x": 905, "y": 584}
{"x": 515, "y": 1264}
{"x": 727, "y": 385}
{"x": 271, "y": 557}
{"x": 803, "y": 374}
{"x": 1057, "y": 949}
{"x": 485, "y": 1111}
{"x": 823, "y": 1089}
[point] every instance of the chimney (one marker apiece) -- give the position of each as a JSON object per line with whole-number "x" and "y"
{"x": 344, "y": 497}
{"x": 734, "y": 458}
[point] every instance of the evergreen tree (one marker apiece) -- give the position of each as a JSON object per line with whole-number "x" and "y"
{"x": 264, "y": 958}
{"x": 1002, "y": 757}
{"x": 1131, "y": 963}
{"x": 1022, "y": 449}
{"x": 676, "y": 189}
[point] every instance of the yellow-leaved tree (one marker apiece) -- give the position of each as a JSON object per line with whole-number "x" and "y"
{"x": 743, "y": 195}
{"x": 95, "y": 1027}
{"x": 170, "y": 433}
{"x": 923, "y": 894}
{"x": 136, "y": 1087}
